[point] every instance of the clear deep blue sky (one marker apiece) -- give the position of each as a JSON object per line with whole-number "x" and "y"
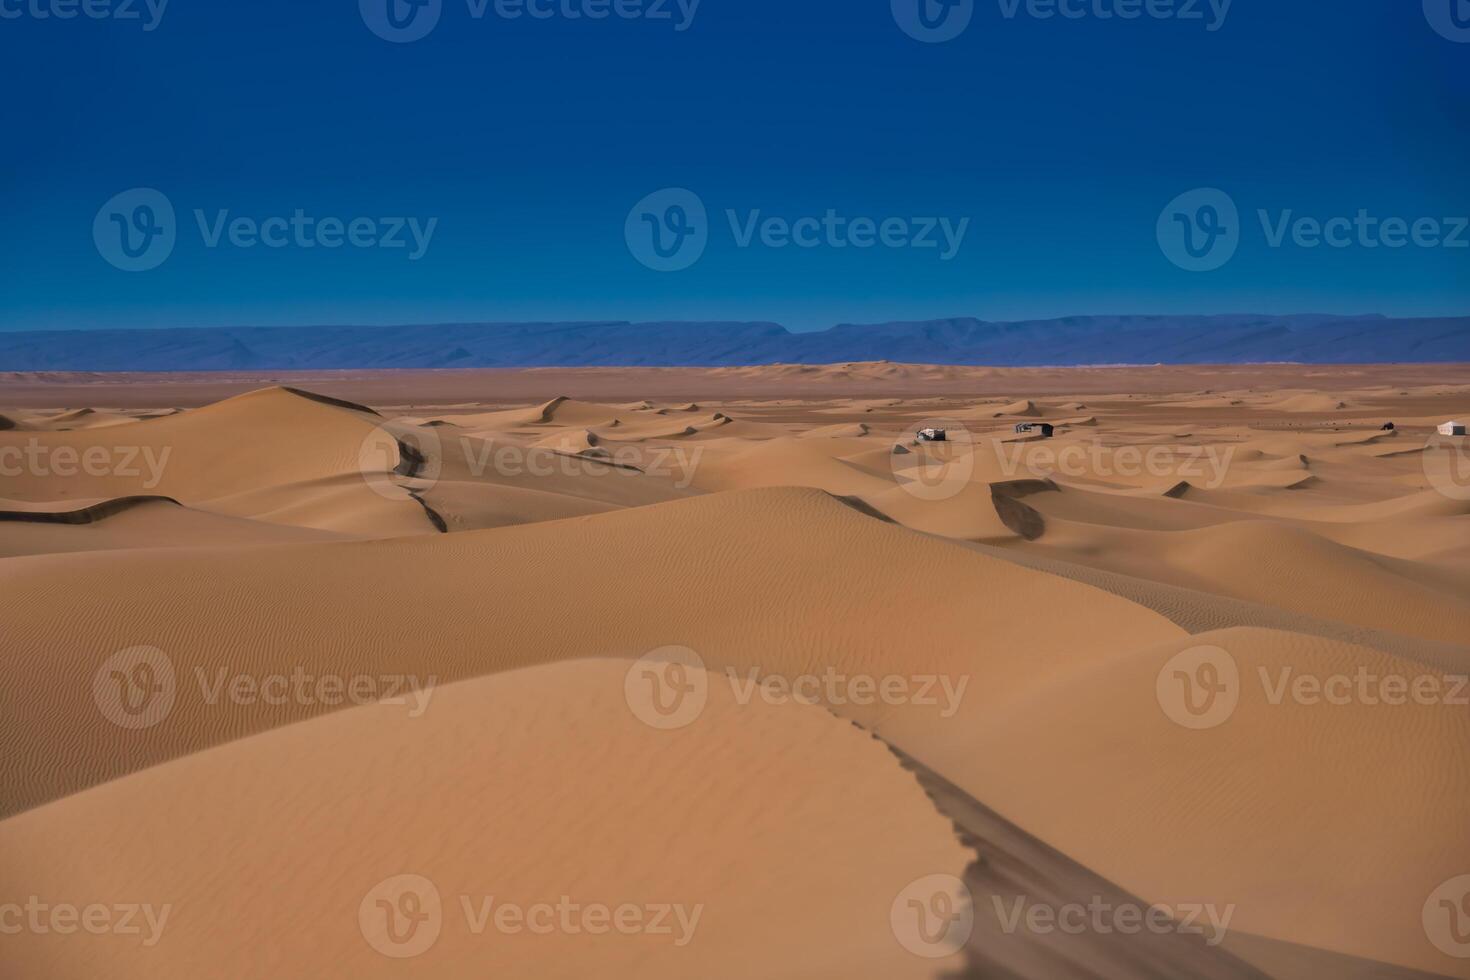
{"x": 531, "y": 139}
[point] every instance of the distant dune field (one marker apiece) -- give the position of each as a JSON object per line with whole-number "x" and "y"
{"x": 737, "y": 672}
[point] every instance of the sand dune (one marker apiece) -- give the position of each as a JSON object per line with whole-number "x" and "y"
{"x": 817, "y": 549}
{"x": 1022, "y": 407}
{"x": 1310, "y": 403}
{"x": 293, "y": 439}
{"x": 517, "y": 789}
{"x": 503, "y": 564}
{"x": 1280, "y": 565}
{"x": 971, "y": 514}
{"x": 854, "y": 430}
{"x": 1214, "y": 402}
{"x": 787, "y": 462}
{"x": 566, "y": 411}
{"x": 1299, "y": 768}
{"x": 138, "y": 522}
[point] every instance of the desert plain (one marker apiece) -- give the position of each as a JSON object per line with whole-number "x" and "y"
{"x": 732, "y": 673}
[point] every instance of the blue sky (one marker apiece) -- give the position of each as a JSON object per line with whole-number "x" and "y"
{"x": 528, "y": 141}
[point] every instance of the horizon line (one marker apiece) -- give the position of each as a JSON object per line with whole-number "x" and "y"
{"x": 740, "y": 322}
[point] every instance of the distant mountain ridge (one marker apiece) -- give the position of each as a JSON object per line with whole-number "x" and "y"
{"x": 1068, "y": 341}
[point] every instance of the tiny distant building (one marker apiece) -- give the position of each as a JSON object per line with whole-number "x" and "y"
{"x": 1046, "y": 429}
{"x": 933, "y": 435}
{"x": 1452, "y": 429}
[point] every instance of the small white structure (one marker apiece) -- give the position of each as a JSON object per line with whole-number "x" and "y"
{"x": 1452, "y": 429}
{"x": 933, "y": 435}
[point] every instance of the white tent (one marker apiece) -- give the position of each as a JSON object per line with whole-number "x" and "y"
{"x": 1452, "y": 429}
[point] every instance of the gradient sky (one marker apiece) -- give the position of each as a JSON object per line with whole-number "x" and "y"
{"x": 531, "y": 139}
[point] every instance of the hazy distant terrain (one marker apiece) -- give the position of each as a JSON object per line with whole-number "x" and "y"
{"x": 1231, "y": 339}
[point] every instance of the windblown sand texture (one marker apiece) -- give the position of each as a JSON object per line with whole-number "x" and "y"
{"x": 505, "y": 564}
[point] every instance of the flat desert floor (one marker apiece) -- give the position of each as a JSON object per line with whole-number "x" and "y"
{"x": 730, "y": 673}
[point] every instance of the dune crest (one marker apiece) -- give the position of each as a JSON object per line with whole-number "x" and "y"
{"x": 1152, "y": 656}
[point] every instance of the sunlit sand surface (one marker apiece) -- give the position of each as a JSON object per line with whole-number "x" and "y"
{"x": 322, "y": 663}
